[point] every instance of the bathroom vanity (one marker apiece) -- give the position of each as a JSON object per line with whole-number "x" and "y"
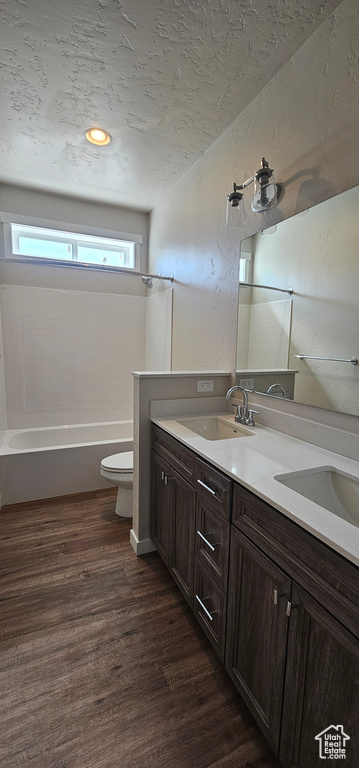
{"x": 278, "y": 603}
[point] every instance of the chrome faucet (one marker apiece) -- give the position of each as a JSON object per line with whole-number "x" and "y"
{"x": 270, "y": 390}
{"x": 243, "y": 415}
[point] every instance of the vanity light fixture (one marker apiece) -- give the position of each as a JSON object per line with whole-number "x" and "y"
{"x": 98, "y": 136}
{"x": 265, "y": 195}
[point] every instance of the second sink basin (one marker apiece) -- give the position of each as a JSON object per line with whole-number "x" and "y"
{"x": 214, "y": 428}
{"x": 328, "y": 487}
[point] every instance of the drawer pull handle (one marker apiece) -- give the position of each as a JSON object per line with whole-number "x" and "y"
{"x": 290, "y": 608}
{"x": 214, "y": 493}
{"x": 209, "y": 616}
{"x": 206, "y": 541}
{"x": 277, "y": 595}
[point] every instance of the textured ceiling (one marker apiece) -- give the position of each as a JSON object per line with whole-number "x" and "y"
{"x": 163, "y": 77}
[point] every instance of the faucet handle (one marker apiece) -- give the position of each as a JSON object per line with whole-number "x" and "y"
{"x": 240, "y": 415}
{"x": 250, "y": 421}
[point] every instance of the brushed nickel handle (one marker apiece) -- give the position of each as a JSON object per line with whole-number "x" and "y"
{"x": 214, "y": 493}
{"x": 206, "y": 541}
{"x": 162, "y": 475}
{"x": 205, "y": 609}
{"x": 250, "y": 421}
{"x": 290, "y": 607}
{"x": 277, "y": 595}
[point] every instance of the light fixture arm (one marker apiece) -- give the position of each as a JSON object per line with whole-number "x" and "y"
{"x": 262, "y": 175}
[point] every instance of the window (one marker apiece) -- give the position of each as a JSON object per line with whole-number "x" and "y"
{"x": 36, "y": 242}
{"x": 244, "y": 271}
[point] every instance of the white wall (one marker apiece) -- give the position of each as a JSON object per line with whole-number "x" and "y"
{"x": 305, "y": 122}
{"x": 159, "y": 330}
{"x": 69, "y": 355}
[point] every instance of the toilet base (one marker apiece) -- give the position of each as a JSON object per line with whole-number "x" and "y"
{"x": 124, "y": 502}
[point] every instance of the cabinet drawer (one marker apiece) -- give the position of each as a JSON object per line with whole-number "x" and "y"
{"x": 212, "y": 541}
{"x": 177, "y": 455}
{"x": 332, "y": 579}
{"x": 213, "y": 485}
{"x": 210, "y": 607}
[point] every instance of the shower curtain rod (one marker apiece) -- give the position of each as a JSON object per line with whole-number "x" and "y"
{"x": 269, "y": 287}
{"x": 84, "y": 265}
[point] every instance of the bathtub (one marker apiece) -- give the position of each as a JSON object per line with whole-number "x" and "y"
{"x": 56, "y": 461}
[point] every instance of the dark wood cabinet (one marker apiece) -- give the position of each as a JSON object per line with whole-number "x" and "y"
{"x": 190, "y": 513}
{"x": 212, "y": 540}
{"x": 173, "y": 507}
{"x": 280, "y": 607}
{"x": 161, "y": 506}
{"x": 210, "y": 603}
{"x": 182, "y": 526}
{"x": 321, "y": 686}
{"x": 214, "y": 496}
{"x": 295, "y": 664}
{"x": 257, "y": 632}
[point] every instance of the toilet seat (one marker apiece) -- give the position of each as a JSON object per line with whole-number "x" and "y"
{"x": 119, "y": 463}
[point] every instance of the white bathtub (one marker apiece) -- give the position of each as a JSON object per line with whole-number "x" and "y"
{"x": 57, "y": 461}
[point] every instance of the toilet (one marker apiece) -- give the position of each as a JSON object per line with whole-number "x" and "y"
{"x": 118, "y": 470}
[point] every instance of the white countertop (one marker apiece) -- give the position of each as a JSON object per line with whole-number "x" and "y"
{"x": 254, "y": 461}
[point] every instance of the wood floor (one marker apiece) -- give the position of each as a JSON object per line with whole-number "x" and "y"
{"x": 101, "y": 663}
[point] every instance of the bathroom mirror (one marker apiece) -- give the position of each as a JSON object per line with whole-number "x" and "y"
{"x": 316, "y": 254}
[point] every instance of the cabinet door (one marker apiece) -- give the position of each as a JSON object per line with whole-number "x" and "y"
{"x": 321, "y": 687}
{"x": 183, "y": 526}
{"x": 161, "y": 506}
{"x": 257, "y": 628}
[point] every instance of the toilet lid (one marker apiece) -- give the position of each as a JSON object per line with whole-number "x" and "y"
{"x": 119, "y": 462}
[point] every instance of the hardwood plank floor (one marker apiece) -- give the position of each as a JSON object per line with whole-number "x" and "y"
{"x": 102, "y": 664}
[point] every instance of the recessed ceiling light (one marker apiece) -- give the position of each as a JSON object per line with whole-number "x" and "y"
{"x": 98, "y": 136}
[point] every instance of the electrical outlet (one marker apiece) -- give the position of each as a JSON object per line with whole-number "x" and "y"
{"x": 205, "y": 385}
{"x": 246, "y": 383}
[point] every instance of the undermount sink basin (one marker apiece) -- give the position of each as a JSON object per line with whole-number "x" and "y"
{"x": 328, "y": 487}
{"x": 214, "y": 428}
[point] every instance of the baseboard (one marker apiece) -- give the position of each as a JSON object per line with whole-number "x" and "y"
{"x": 67, "y": 497}
{"x": 141, "y": 547}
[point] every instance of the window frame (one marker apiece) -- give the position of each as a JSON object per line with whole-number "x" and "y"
{"x": 245, "y": 270}
{"x": 65, "y": 231}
